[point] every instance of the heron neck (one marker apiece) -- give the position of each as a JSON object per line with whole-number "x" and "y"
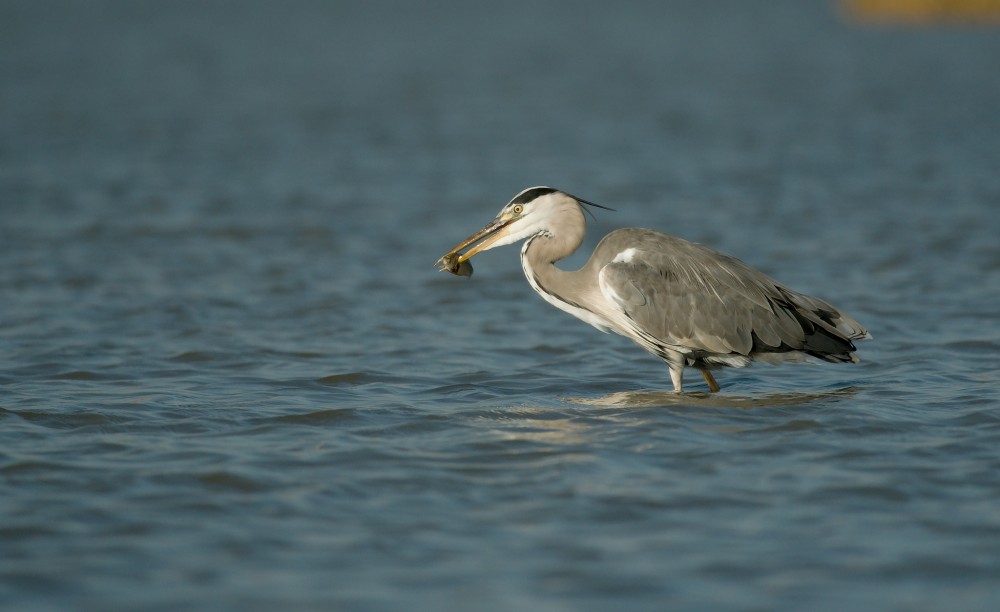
{"x": 567, "y": 290}
{"x": 570, "y": 292}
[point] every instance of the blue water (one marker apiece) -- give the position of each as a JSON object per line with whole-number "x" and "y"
{"x": 231, "y": 378}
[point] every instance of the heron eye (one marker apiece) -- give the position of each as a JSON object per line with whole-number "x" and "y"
{"x": 517, "y": 209}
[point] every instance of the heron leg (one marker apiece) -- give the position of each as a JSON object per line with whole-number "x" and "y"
{"x": 676, "y": 377}
{"x": 712, "y": 385}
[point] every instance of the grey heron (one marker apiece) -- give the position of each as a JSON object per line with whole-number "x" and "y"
{"x": 689, "y": 305}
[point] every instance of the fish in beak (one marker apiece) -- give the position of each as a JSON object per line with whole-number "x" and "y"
{"x": 458, "y": 263}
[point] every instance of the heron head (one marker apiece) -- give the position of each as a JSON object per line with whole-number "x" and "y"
{"x": 535, "y": 210}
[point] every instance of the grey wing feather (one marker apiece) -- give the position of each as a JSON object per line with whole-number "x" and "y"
{"x": 686, "y": 295}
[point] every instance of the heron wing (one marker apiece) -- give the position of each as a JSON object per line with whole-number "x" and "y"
{"x": 685, "y": 295}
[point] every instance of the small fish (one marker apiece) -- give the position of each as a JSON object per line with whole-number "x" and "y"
{"x": 450, "y": 263}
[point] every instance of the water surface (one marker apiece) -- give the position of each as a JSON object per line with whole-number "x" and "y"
{"x": 230, "y": 376}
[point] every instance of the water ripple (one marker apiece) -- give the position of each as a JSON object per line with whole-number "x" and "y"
{"x": 231, "y": 378}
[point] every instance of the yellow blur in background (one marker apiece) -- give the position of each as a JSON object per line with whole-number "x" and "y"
{"x": 986, "y": 12}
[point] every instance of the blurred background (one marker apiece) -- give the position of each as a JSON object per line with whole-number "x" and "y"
{"x": 231, "y": 376}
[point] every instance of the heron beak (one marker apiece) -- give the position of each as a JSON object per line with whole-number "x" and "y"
{"x": 488, "y": 235}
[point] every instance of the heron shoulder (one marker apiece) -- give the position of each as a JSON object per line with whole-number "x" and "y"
{"x": 666, "y": 253}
